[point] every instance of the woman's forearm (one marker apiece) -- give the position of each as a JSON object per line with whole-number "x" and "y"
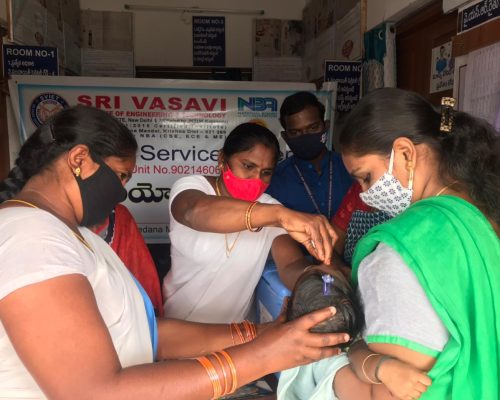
{"x": 183, "y": 339}
{"x": 216, "y": 214}
{"x": 227, "y": 215}
{"x": 180, "y": 379}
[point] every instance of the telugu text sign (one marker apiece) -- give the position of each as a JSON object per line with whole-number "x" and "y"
{"x": 209, "y": 41}
{"x": 347, "y": 74}
{"x": 29, "y": 60}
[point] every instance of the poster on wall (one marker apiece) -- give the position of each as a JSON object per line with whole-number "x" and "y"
{"x": 481, "y": 85}
{"x": 209, "y": 41}
{"x": 278, "y": 38}
{"x": 442, "y": 68}
{"x": 291, "y": 38}
{"x": 267, "y": 41}
{"x": 180, "y": 126}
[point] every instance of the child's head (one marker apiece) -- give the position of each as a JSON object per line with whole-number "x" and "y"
{"x": 309, "y": 295}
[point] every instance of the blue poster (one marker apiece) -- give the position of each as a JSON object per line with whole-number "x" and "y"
{"x": 209, "y": 41}
{"x": 29, "y": 60}
{"x": 347, "y": 74}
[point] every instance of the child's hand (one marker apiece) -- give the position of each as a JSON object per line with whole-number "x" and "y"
{"x": 403, "y": 381}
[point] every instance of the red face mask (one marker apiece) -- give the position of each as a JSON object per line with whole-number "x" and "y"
{"x": 243, "y": 189}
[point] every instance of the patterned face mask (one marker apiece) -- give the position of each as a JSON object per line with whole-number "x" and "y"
{"x": 388, "y": 194}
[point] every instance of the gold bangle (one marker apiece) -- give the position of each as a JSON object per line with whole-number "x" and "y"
{"x": 234, "y": 383}
{"x": 253, "y": 329}
{"x": 212, "y": 374}
{"x": 379, "y": 363}
{"x": 239, "y": 332}
{"x": 248, "y": 216}
{"x": 232, "y": 334}
{"x": 226, "y": 384}
{"x": 246, "y": 329}
{"x": 364, "y": 372}
{"x": 250, "y": 330}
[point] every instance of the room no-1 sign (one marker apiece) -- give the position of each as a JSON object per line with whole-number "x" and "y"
{"x": 29, "y": 60}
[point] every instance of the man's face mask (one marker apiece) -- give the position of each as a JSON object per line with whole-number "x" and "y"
{"x": 307, "y": 146}
{"x": 388, "y": 194}
{"x": 100, "y": 193}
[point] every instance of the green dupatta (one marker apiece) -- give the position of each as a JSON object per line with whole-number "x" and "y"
{"x": 455, "y": 254}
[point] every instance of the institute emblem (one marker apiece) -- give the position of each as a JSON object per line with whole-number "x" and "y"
{"x": 45, "y": 105}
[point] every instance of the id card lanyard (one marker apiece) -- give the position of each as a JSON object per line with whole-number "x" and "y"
{"x": 308, "y": 190}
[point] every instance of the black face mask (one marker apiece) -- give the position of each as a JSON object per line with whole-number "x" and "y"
{"x": 100, "y": 193}
{"x": 307, "y": 146}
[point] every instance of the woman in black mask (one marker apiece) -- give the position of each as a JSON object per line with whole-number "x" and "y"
{"x": 74, "y": 323}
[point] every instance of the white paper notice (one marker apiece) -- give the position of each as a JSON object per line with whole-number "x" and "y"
{"x": 482, "y": 83}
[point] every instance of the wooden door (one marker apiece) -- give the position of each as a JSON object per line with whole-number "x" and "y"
{"x": 416, "y": 36}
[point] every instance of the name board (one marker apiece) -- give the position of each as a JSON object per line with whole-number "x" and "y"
{"x": 477, "y": 14}
{"x": 347, "y": 74}
{"x": 29, "y": 60}
{"x": 209, "y": 41}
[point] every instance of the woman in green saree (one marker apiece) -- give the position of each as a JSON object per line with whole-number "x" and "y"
{"x": 429, "y": 278}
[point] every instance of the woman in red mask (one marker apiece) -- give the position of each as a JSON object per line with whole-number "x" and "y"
{"x": 222, "y": 228}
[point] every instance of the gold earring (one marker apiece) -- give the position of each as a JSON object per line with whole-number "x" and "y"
{"x": 77, "y": 171}
{"x": 410, "y": 167}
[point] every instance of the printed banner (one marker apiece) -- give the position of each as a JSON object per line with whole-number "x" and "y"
{"x": 179, "y": 125}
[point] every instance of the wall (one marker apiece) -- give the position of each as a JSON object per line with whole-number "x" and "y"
{"x": 164, "y": 38}
{"x": 390, "y": 10}
{"x": 3, "y": 13}
{"x": 450, "y": 5}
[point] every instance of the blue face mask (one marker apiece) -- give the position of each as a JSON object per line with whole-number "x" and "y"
{"x": 388, "y": 194}
{"x": 100, "y": 193}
